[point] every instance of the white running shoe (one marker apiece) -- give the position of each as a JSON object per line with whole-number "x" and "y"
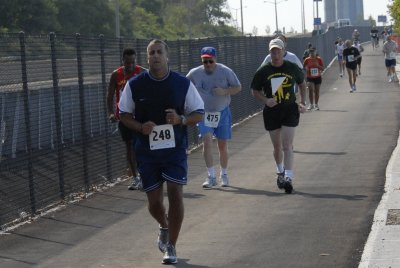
{"x": 170, "y": 255}
{"x": 310, "y": 107}
{"x": 316, "y": 107}
{"x": 136, "y": 184}
{"x": 210, "y": 182}
{"x": 162, "y": 240}
{"x": 224, "y": 180}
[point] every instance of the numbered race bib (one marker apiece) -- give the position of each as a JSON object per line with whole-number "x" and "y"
{"x": 162, "y": 137}
{"x": 392, "y": 55}
{"x": 211, "y": 119}
{"x": 350, "y": 58}
{"x": 314, "y": 71}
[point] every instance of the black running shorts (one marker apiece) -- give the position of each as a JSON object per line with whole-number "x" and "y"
{"x": 281, "y": 115}
{"x": 315, "y": 80}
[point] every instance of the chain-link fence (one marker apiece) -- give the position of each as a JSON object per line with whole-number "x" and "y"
{"x": 55, "y": 138}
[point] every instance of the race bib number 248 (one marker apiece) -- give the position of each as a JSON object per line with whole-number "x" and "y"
{"x": 162, "y": 137}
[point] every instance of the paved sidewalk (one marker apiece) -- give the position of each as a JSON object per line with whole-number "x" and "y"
{"x": 383, "y": 245}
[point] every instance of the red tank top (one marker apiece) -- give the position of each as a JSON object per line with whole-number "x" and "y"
{"x": 120, "y": 84}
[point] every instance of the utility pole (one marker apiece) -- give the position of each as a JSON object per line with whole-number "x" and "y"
{"x": 303, "y": 18}
{"x": 117, "y": 30}
{"x": 241, "y": 15}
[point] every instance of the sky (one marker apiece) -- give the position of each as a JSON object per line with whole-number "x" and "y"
{"x": 260, "y": 13}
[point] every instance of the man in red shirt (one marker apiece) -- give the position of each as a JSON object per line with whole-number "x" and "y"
{"x": 314, "y": 67}
{"x": 118, "y": 79}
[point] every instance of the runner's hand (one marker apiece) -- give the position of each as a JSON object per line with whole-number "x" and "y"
{"x": 271, "y": 102}
{"x": 147, "y": 127}
{"x": 302, "y": 108}
{"x": 172, "y": 117}
{"x": 112, "y": 118}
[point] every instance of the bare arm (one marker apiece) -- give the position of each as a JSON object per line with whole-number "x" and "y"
{"x": 190, "y": 120}
{"x": 270, "y": 102}
{"x": 302, "y": 90}
{"x": 128, "y": 120}
{"x": 110, "y": 97}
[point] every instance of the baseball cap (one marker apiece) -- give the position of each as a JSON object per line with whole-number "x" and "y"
{"x": 276, "y": 43}
{"x": 208, "y": 52}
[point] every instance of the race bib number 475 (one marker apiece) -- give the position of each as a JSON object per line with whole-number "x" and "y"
{"x": 211, "y": 119}
{"x": 162, "y": 137}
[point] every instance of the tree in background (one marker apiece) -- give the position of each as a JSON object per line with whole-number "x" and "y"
{"x": 85, "y": 17}
{"x": 38, "y": 16}
{"x": 371, "y": 20}
{"x": 166, "y": 19}
{"x": 394, "y": 10}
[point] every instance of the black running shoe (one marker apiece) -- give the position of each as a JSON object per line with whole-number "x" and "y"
{"x": 288, "y": 185}
{"x": 280, "y": 180}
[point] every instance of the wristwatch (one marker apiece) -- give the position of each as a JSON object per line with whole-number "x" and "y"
{"x": 183, "y": 120}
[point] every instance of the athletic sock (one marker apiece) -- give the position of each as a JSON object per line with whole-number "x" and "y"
{"x": 289, "y": 173}
{"x": 280, "y": 168}
{"x": 211, "y": 172}
{"x": 224, "y": 171}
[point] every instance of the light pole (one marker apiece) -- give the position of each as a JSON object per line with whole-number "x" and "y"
{"x": 276, "y": 12}
{"x": 303, "y": 18}
{"x": 117, "y": 29}
{"x": 236, "y": 17}
{"x": 241, "y": 15}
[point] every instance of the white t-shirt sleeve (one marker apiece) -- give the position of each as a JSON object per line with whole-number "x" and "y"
{"x": 298, "y": 62}
{"x": 267, "y": 59}
{"x": 193, "y": 101}
{"x": 126, "y": 104}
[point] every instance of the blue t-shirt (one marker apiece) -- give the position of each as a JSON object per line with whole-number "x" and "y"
{"x": 222, "y": 77}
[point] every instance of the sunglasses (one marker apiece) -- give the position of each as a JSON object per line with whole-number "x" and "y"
{"x": 208, "y": 61}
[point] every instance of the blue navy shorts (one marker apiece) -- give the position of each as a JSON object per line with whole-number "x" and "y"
{"x": 171, "y": 167}
{"x": 224, "y": 129}
{"x": 390, "y": 63}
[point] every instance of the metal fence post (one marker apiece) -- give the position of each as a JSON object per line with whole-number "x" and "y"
{"x": 27, "y": 121}
{"x": 82, "y": 112}
{"x": 106, "y": 122}
{"x": 57, "y": 111}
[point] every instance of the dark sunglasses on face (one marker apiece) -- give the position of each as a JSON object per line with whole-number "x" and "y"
{"x": 208, "y": 61}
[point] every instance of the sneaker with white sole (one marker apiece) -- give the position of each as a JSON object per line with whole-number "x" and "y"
{"x": 224, "y": 180}
{"x": 210, "y": 182}
{"x": 316, "y": 107}
{"x": 136, "y": 183}
{"x": 170, "y": 255}
{"x": 310, "y": 107}
{"x": 163, "y": 238}
{"x": 280, "y": 180}
{"x": 288, "y": 185}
